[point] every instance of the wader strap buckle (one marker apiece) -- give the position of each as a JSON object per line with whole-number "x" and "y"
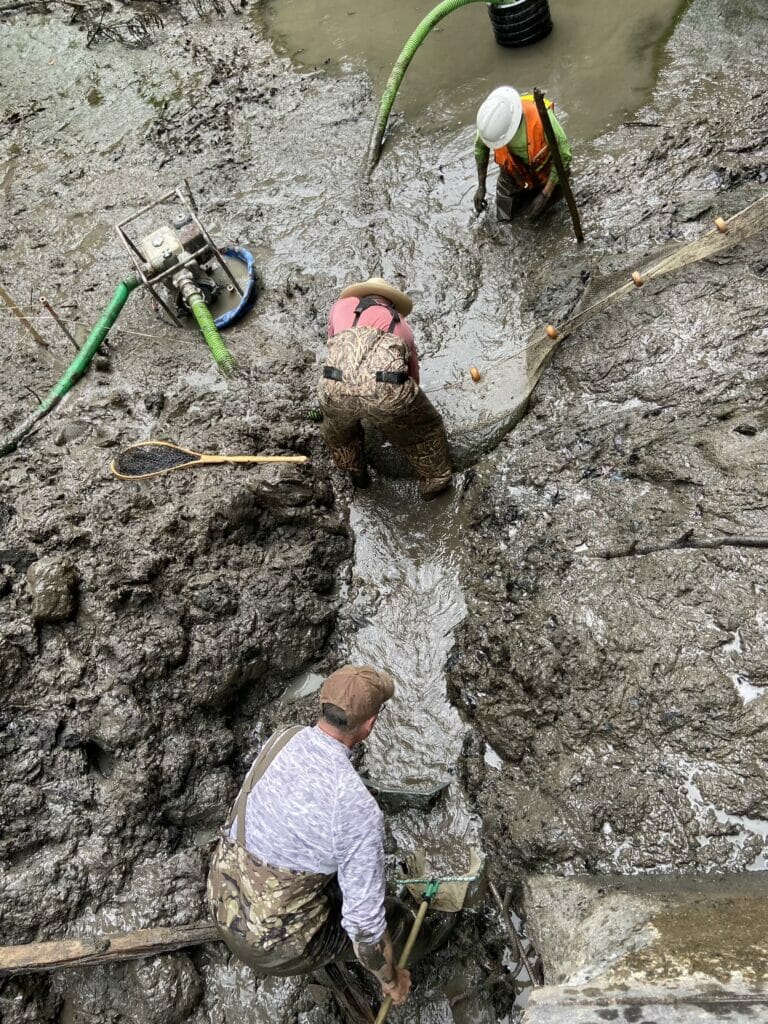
{"x": 332, "y": 373}
{"x": 389, "y": 377}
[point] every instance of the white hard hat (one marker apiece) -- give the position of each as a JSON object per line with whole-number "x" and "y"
{"x": 499, "y": 116}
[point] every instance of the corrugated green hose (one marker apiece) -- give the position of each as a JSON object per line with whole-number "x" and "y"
{"x": 393, "y": 83}
{"x": 201, "y": 313}
{"x": 77, "y": 367}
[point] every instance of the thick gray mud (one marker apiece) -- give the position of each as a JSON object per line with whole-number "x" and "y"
{"x": 617, "y": 668}
{"x": 613, "y": 716}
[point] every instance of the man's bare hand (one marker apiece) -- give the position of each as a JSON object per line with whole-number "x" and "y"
{"x": 399, "y": 987}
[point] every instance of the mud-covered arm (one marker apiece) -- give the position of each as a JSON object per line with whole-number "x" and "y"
{"x": 379, "y": 958}
{"x": 482, "y": 156}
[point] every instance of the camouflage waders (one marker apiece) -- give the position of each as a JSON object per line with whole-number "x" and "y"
{"x": 266, "y": 915}
{"x": 511, "y": 197}
{"x": 367, "y": 380}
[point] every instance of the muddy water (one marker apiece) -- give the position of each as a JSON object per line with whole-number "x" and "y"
{"x": 407, "y": 559}
{"x": 405, "y": 554}
{"x": 600, "y": 60}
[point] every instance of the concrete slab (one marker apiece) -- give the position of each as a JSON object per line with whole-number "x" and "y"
{"x": 650, "y": 949}
{"x": 683, "y": 1005}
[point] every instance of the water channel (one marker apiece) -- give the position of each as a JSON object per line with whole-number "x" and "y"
{"x": 600, "y": 62}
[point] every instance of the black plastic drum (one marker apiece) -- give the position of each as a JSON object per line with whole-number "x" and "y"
{"x": 520, "y": 23}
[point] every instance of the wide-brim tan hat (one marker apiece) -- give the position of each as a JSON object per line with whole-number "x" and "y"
{"x": 378, "y": 286}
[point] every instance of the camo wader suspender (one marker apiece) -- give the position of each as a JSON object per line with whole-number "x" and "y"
{"x": 271, "y": 749}
{"x": 370, "y": 300}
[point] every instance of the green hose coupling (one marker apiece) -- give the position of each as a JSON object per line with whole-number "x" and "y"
{"x": 224, "y": 358}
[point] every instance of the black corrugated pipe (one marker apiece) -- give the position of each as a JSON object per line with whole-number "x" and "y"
{"x": 521, "y": 22}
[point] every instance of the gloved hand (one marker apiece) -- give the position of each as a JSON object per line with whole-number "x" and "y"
{"x": 538, "y": 205}
{"x": 479, "y": 199}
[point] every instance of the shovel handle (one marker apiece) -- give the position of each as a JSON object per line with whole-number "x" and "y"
{"x": 562, "y": 174}
{"x": 210, "y": 459}
{"x": 385, "y": 1007}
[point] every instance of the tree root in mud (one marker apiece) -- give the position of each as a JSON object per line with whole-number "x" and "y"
{"x": 130, "y": 23}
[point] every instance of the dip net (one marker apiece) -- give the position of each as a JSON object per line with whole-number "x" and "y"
{"x": 453, "y": 890}
{"x": 151, "y": 458}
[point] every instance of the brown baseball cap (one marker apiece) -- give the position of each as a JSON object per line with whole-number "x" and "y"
{"x": 359, "y": 690}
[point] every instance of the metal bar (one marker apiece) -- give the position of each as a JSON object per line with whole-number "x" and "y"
{"x": 148, "y": 207}
{"x": 216, "y": 253}
{"x": 554, "y": 149}
{"x": 22, "y": 319}
{"x": 157, "y": 297}
{"x": 227, "y": 271}
{"x": 503, "y": 906}
{"x": 47, "y": 306}
{"x": 129, "y": 245}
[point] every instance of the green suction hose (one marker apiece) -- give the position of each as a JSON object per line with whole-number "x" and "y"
{"x": 77, "y": 367}
{"x": 219, "y": 351}
{"x": 393, "y": 83}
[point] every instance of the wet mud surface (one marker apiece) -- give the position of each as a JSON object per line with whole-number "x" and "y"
{"x": 612, "y": 709}
{"x": 617, "y": 669}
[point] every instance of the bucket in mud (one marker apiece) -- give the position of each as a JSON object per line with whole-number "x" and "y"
{"x": 520, "y": 23}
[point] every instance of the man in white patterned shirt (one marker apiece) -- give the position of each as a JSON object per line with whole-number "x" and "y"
{"x": 297, "y": 880}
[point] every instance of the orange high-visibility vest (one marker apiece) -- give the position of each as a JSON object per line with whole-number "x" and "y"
{"x": 533, "y": 174}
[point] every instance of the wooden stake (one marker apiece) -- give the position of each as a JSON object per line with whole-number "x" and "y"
{"x": 48, "y": 956}
{"x": 20, "y": 316}
{"x": 562, "y": 174}
{"x": 49, "y": 308}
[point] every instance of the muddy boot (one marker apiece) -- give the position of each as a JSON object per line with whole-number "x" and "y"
{"x": 361, "y": 480}
{"x": 434, "y": 486}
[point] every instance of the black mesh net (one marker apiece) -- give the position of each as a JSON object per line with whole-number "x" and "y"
{"x": 143, "y": 459}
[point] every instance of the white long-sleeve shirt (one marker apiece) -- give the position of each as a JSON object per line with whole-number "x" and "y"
{"x": 311, "y": 812}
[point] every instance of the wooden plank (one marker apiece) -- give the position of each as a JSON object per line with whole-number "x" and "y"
{"x": 21, "y": 318}
{"x": 48, "y": 956}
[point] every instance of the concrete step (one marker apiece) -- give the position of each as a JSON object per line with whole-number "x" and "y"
{"x": 664, "y": 949}
{"x": 672, "y": 1004}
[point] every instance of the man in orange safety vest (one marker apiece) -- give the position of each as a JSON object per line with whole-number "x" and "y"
{"x": 509, "y": 124}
